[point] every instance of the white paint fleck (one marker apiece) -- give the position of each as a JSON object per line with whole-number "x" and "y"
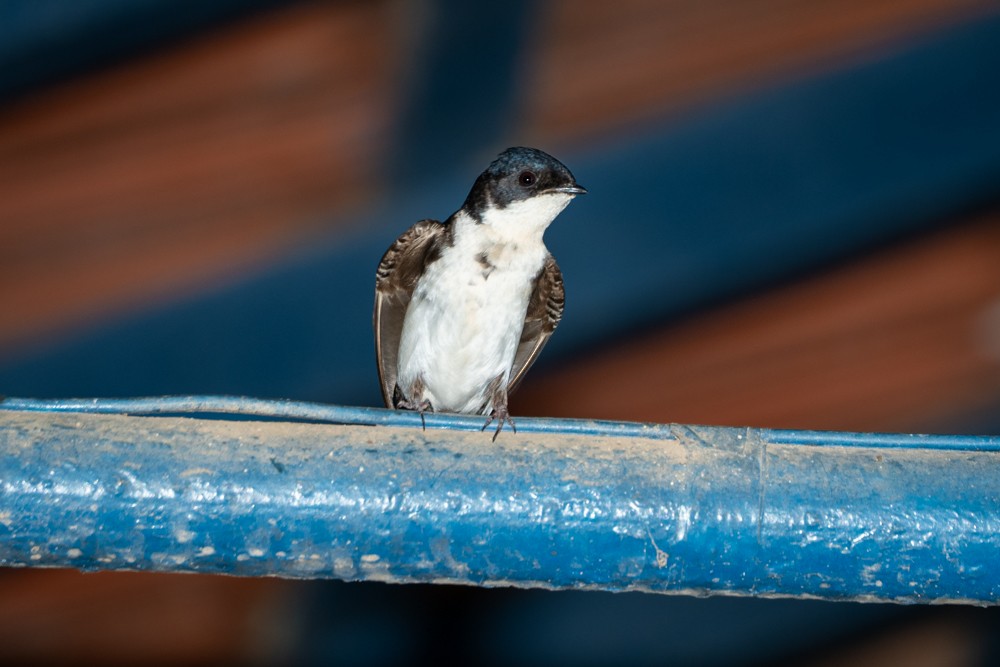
{"x": 242, "y": 557}
{"x": 183, "y": 536}
{"x": 868, "y": 573}
{"x": 74, "y": 553}
{"x": 207, "y": 551}
{"x": 256, "y": 552}
{"x": 344, "y": 567}
{"x": 370, "y": 558}
{"x": 192, "y": 472}
{"x": 311, "y": 564}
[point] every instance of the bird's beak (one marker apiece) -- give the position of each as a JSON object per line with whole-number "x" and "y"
{"x": 570, "y": 190}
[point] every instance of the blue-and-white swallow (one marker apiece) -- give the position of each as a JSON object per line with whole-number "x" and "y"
{"x": 464, "y": 307}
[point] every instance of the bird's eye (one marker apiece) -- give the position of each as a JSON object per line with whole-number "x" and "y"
{"x": 526, "y": 179}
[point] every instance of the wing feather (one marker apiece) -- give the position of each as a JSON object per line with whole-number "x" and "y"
{"x": 545, "y": 308}
{"x": 396, "y": 277}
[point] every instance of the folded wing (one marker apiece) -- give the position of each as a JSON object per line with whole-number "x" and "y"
{"x": 545, "y": 308}
{"x": 397, "y": 275}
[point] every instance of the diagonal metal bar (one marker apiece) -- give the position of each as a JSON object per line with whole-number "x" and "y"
{"x": 304, "y": 490}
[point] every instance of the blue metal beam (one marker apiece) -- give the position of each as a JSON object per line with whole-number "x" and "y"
{"x": 303, "y": 490}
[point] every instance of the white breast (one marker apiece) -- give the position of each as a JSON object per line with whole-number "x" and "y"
{"x": 464, "y": 321}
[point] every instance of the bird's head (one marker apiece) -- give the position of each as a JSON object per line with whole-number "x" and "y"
{"x": 525, "y": 184}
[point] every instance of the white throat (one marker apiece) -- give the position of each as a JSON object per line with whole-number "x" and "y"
{"x": 525, "y": 221}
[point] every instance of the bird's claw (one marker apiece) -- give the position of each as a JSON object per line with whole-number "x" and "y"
{"x": 502, "y": 417}
{"x": 420, "y": 407}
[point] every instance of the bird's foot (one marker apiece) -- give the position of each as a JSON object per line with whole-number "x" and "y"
{"x": 417, "y": 402}
{"x": 421, "y": 406}
{"x": 502, "y": 417}
{"x": 498, "y": 400}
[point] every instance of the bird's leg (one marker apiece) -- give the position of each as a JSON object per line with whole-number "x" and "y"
{"x": 416, "y": 400}
{"x": 497, "y": 392}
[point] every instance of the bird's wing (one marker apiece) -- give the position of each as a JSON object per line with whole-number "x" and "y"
{"x": 397, "y": 275}
{"x": 545, "y": 308}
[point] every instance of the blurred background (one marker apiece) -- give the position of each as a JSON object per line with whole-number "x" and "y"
{"x": 793, "y": 221}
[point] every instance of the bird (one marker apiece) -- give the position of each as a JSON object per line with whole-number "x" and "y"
{"x": 464, "y": 307}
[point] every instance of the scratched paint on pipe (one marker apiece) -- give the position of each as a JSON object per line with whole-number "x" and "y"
{"x": 234, "y": 491}
{"x": 905, "y": 524}
{"x": 707, "y": 510}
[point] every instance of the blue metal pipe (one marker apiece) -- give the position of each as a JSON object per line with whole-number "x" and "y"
{"x": 304, "y": 490}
